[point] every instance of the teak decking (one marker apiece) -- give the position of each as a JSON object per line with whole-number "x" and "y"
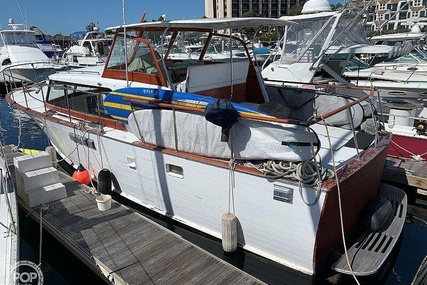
{"x": 406, "y": 171}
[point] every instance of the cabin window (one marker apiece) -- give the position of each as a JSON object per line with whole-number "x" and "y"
{"x": 174, "y": 170}
{"x": 282, "y": 193}
{"x": 139, "y": 57}
{"x": 143, "y": 60}
{"x": 21, "y": 38}
{"x": 117, "y": 59}
{"x": 80, "y": 99}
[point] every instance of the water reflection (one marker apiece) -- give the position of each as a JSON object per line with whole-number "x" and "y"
{"x": 18, "y": 129}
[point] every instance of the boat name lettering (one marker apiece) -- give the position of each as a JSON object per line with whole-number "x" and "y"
{"x": 152, "y": 92}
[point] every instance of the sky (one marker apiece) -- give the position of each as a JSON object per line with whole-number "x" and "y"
{"x": 66, "y": 17}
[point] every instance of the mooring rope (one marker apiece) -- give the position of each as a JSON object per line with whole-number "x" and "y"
{"x": 43, "y": 208}
{"x": 418, "y": 157}
{"x": 339, "y": 202}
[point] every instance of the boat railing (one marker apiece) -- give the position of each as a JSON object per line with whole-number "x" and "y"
{"x": 322, "y": 117}
{"x": 201, "y": 109}
{"x": 318, "y": 118}
{"x": 81, "y": 71}
{"x": 11, "y": 82}
{"x": 33, "y": 63}
{"x": 7, "y": 73}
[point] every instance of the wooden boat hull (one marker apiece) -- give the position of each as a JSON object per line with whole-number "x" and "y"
{"x": 194, "y": 190}
{"x": 355, "y": 191}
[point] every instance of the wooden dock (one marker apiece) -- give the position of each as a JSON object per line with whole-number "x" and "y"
{"x": 128, "y": 248}
{"x": 406, "y": 171}
{"x": 411, "y": 175}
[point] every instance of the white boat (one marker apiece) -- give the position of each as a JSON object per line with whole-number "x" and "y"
{"x": 9, "y": 244}
{"x": 21, "y": 60}
{"x": 219, "y": 156}
{"x": 44, "y": 42}
{"x": 413, "y": 62}
{"x": 392, "y": 84}
{"x": 324, "y": 52}
{"x": 87, "y": 48}
{"x": 415, "y": 37}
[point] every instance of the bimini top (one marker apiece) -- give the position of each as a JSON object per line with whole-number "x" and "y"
{"x": 211, "y": 24}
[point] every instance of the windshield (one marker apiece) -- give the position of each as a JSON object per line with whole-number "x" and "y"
{"x": 307, "y": 41}
{"x": 356, "y": 64}
{"x": 21, "y": 38}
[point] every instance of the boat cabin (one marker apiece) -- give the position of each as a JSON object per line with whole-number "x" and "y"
{"x": 147, "y": 53}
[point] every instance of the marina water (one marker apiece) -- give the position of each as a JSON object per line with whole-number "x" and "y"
{"x": 60, "y": 266}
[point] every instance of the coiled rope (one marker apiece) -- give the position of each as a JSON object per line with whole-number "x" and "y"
{"x": 309, "y": 172}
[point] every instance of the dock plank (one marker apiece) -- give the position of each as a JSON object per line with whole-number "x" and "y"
{"x": 173, "y": 265}
{"x": 128, "y": 247}
{"x": 406, "y": 171}
{"x": 196, "y": 265}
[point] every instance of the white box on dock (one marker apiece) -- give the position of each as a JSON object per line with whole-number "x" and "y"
{"x": 40, "y": 177}
{"x": 31, "y": 162}
{"x": 37, "y": 181}
{"x": 45, "y": 194}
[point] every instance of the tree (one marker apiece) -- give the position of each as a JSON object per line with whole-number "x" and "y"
{"x": 296, "y": 9}
{"x": 250, "y": 13}
{"x": 249, "y": 31}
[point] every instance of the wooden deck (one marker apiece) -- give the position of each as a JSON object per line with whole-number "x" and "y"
{"x": 406, "y": 171}
{"x": 128, "y": 248}
{"x": 411, "y": 175}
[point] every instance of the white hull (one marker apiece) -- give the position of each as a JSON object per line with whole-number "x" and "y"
{"x": 395, "y": 90}
{"x": 199, "y": 201}
{"x": 27, "y": 73}
{"x": 25, "y": 64}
